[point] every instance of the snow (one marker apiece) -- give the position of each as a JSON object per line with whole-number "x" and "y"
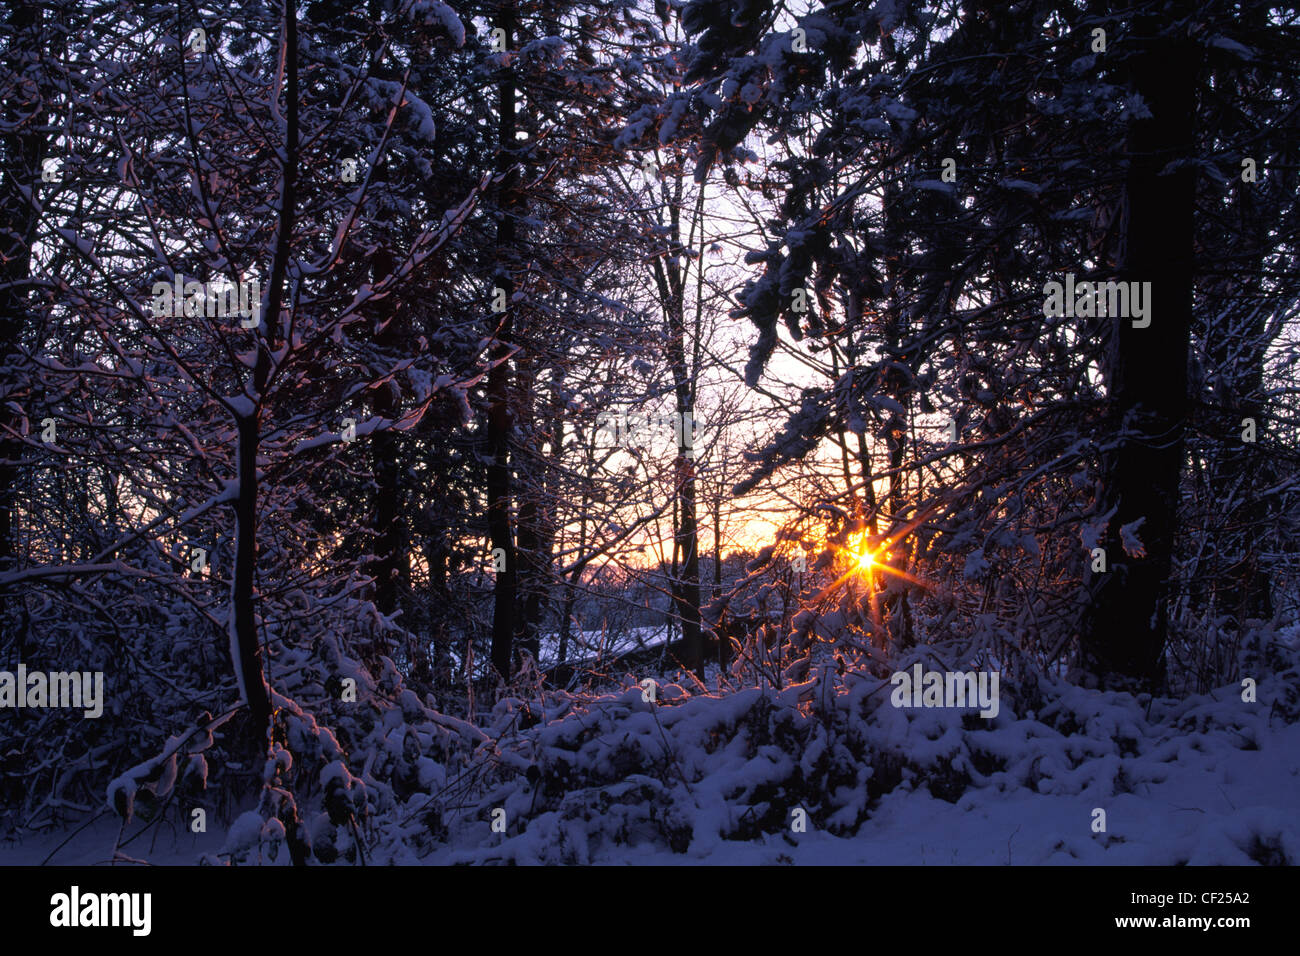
{"x": 1232, "y": 46}
{"x": 1132, "y": 544}
{"x": 976, "y": 565}
{"x": 1208, "y": 780}
{"x": 934, "y": 185}
{"x": 422, "y": 117}
{"x": 1200, "y": 797}
{"x": 1173, "y": 794}
{"x": 435, "y": 11}
{"x": 241, "y": 406}
{"x": 713, "y": 769}
{"x": 668, "y": 129}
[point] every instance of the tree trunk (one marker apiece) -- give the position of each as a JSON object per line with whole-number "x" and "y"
{"x": 246, "y": 650}
{"x": 1126, "y": 633}
{"x": 391, "y": 564}
{"x": 688, "y": 541}
{"x": 671, "y": 282}
{"x": 498, "y": 391}
{"x": 245, "y": 647}
{"x": 541, "y": 521}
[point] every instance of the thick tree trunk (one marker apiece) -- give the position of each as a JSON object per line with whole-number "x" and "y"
{"x": 391, "y": 566}
{"x": 537, "y": 518}
{"x": 533, "y": 542}
{"x": 1126, "y": 633}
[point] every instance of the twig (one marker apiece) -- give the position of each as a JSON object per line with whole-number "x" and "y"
{"x": 101, "y": 812}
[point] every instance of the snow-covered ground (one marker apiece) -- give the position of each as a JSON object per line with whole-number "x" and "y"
{"x": 163, "y": 845}
{"x": 1212, "y": 779}
{"x": 1209, "y": 808}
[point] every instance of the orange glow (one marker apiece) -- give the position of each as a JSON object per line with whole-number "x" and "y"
{"x": 867, "y": 559}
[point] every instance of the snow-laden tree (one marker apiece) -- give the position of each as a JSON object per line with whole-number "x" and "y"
{"x": 231, "y": 321}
